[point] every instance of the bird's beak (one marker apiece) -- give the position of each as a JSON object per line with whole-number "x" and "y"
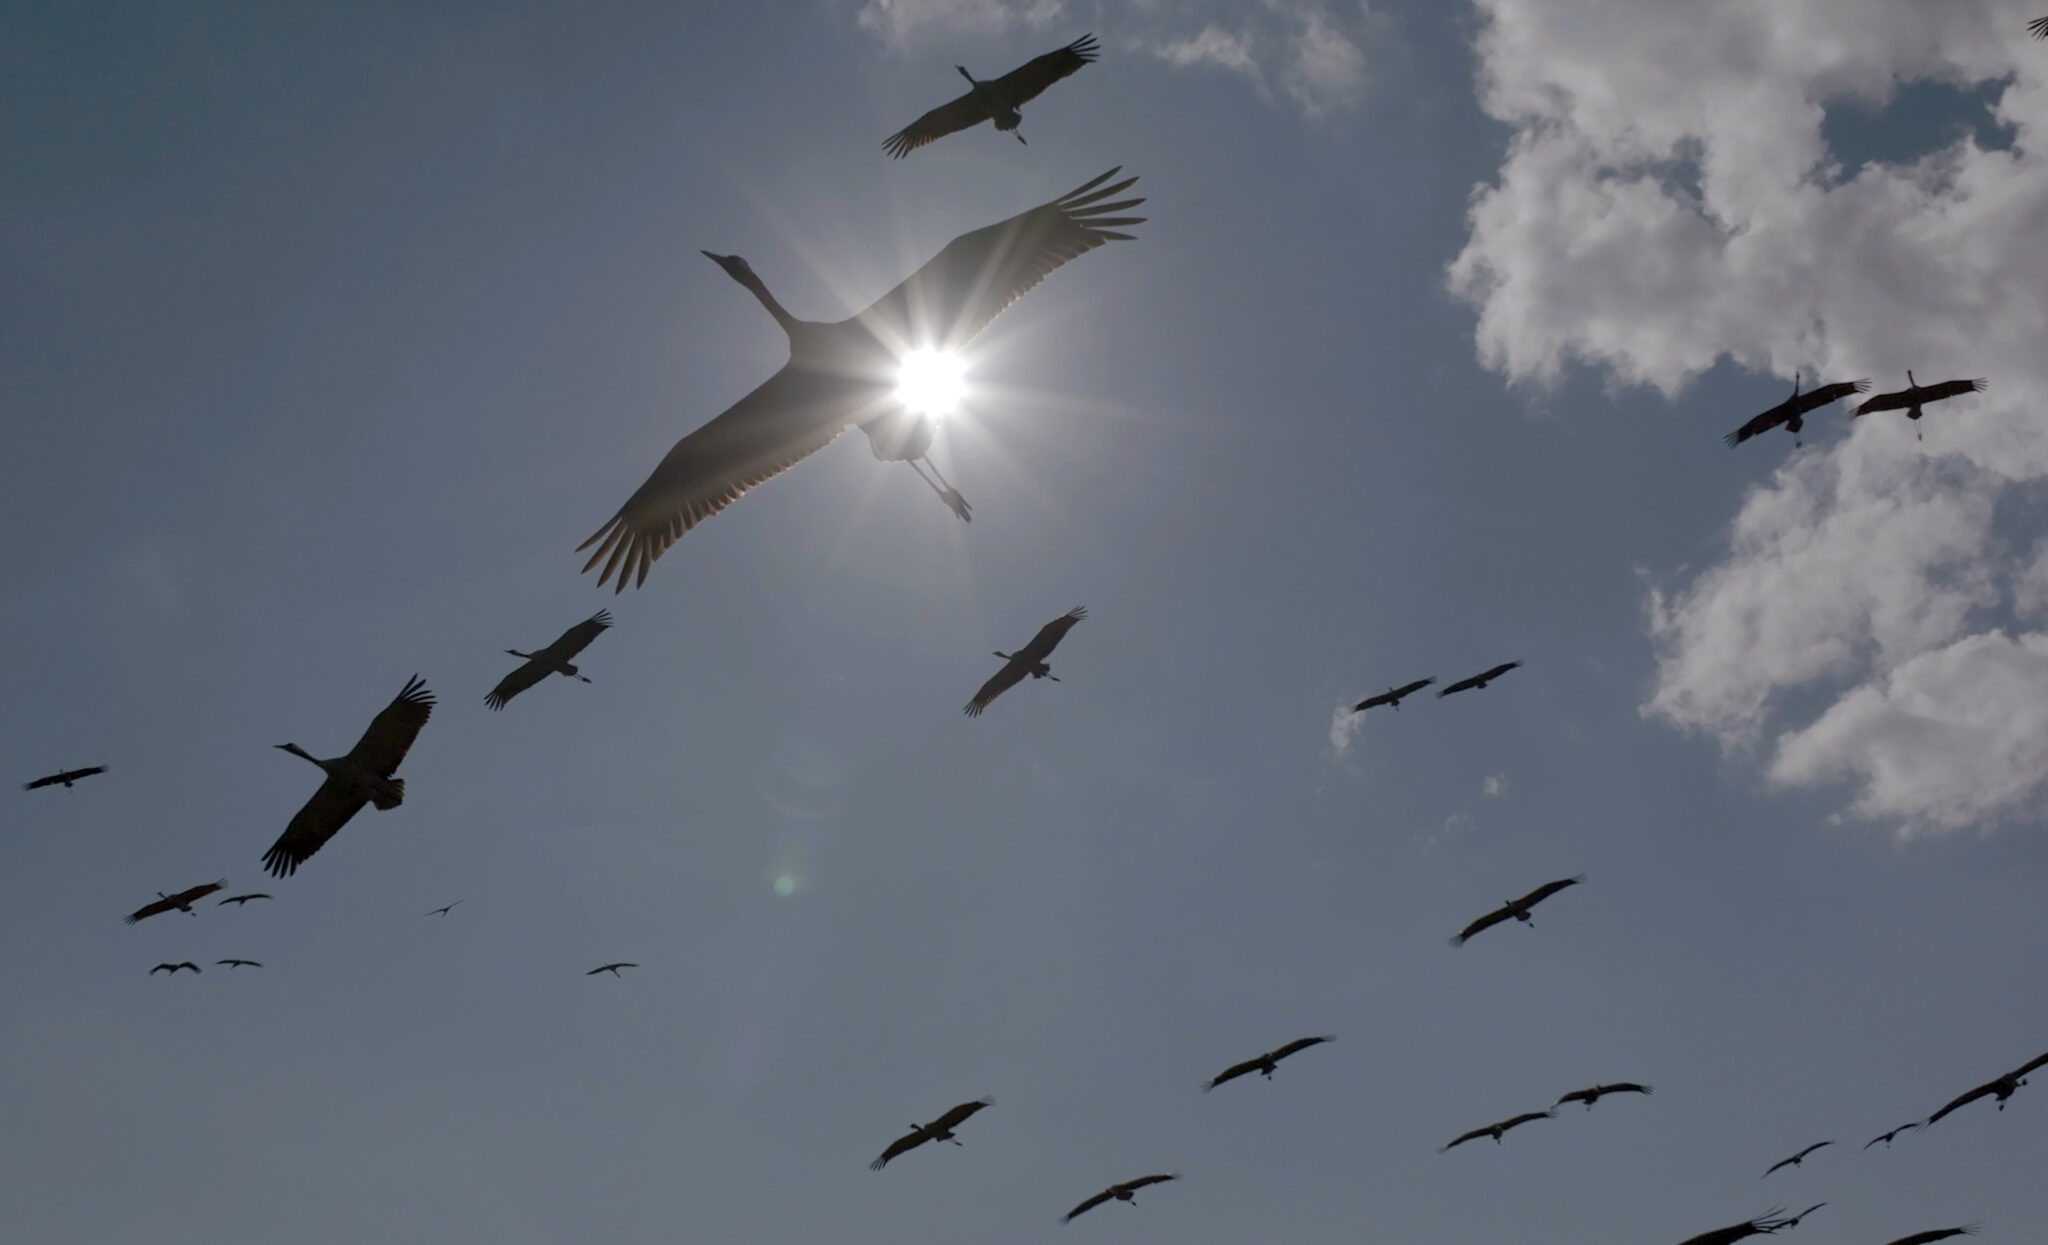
{"x": 720, "y": 260}
{"x": 282, "y": 747}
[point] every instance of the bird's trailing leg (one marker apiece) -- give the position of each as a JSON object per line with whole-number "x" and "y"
{"x": 940, "y": 485}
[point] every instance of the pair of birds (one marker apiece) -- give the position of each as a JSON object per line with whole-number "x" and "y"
{"x": 1792, "y": 412}
{"x": 172, "y": 969}
{"x": 1393, "y": 696}
{"x": 1589, "y": 1096}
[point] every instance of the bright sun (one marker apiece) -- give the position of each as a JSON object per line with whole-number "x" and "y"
{"x": 931, "y": 382}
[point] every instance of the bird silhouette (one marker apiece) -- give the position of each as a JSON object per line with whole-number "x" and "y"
{"x": 1478, "y": 680}
{"x": 1516, "y": 909}
{"x": 1796, "y": 1160}
{"x": 1496, "y": 1131}
{"x": 554, "y": 659}
{"x": 172, "y": 969}
{"x": 180, "y": 902}
{"x": 1392, "y": 697}
{"x": 240, "y": 963}
{"x": 1121, "y": 1192}
{"x": 1916, "y": 396}
{"x": 1029, "y": 660}
{"x": 940, "y": 1129}
{"x": 239, "y": 900}
{"x": 612, "y": 968}
{"x": 363, "y": 776}
{"x": 1792, "y": 412}
{"x": 1265, "y": 1064}
{"x": 1596, "y": 1093}
{"x": 996, "y": 100}
{"x": 64, "y": 777}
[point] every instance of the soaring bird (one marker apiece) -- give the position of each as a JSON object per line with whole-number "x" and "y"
{"x": 1265, "y": 1064}
{"x": 1495, "y": 1131}
{"x": 1597, "y": 1092}
{"x": 444, "y": 910}
{"x": 1792, "y": 412}
{"x": 940, "y": 1129}
{"x": 1762, "y": 1225}
{"x": 362, "y": 777}
{"x": 172, "y": 969}
{"x": 1393, "y": 696}
{"x": 1792, "y": 1221}
{"x": 181, "y": 902}
{"x": 1916, "y": 395}
{"x": 995, "y": 101}
{"x": 2039, "y": 27}
{"x": 1886, "y": 1138}
{"x": 2004, "y": 1087}
{"x": 612, "y": 968}
{"x": 847, "y": 372}
{"x": 66, "y": 777}
{"x": 1121, "y": 1192}
{"x": 239, "y": 900}
{"x": 1478, "y": 680}
{"x": 554, "y": 659}
{"x": 1516, "y": 908}
{"x": 1938, "y": 1234}
{"x": 1027, "y": 660}
{"x": 240, "y": 963}
{"x": 1797, "y": 1159}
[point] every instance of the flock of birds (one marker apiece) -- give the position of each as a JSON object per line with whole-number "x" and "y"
{"x": 847, "y": 374}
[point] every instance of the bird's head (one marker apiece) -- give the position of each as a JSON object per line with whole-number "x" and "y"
{"x": 735, "y": 267}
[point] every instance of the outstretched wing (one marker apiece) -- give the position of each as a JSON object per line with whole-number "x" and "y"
{"x": 1486, "y": 922}
{"x": 320, "y": 820}
{"x": 1088, "y": 1205}
{"x": 1026, "y": 82}
{"x": 2028, "y": 1066}
{"x": 786, "y": 419}
{"x": 1939, "y": 1234}
{"x": 392, "y": 731}
{"x": 950, "y": 300}
{"x": 1374, "y": 702}
{"x": 953, "y": 1118}
{"x": 1231, "y": 1073}
{"x": 1951, "y": 389}
{"x": 521, "y": 677}
{"x": 1300, "y": 1044}
{"x": 1759, "y": 425}
{"x": 1587, "y": 1096}
{"x": 1142, "y": 1181}
{"x": 1462, "y": 1138}
{"x": 578, "y": 637}
{"x": 148, "y": 910}
{"x": 1499, "y": 670}
{"x": 2038, "y": 27}
{"x": 950, "y": 117}
{"x": 1962, "y": 1100}
{"x": 1814, "y": 399}
{"x": 1050, "y": 635}
{"x": 1524, "y": 1118}
{"x": 1548, "y": 889}
{"x": 908, "y": 1141}
{"x": 1001, "y": 681}
{"x": 190, "y": 894}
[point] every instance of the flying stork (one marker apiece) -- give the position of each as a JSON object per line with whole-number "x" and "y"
{"x": 1393, "y": 696}
{"x": 361, "y": 777}
{"x": 1796, "y": 1160}
{"x": 554, "y": 659}
{"x": 996, "y": 100}
{"x": 1916, "y": 395}
{"x": 64, "y": 776}
{"x": 1121, "y": 1192}
{"x": 181, "y": 902}
{"x": 1495, "y": 1131}
{"x": 1516, "y": 908}
{"x": 940, "y": 1129}
{"x": 1792, "y": 412}
{"x": 846, "y": 372}
{"x": 1478, "y": 680}
{"x": 1265, "y": 1064}
{"x": 1027, "y": 660}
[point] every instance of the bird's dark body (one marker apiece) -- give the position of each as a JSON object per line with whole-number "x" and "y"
{"x": 995, "y": 101}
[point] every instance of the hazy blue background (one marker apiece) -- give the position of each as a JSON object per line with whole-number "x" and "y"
{"x": 326, "y": 333}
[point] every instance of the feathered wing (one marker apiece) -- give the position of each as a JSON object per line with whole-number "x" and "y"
{"x": 320, "y": 820}
{"x": 1026, "y": 82}
{"x": 1759, "y": 425}
{"x": 1548, "y": 889}
{"x": 956, "y": 1116}
{"x": 1963, "y": 1100}
{"x": 786, "y": 419}
{"x": 950, "y": 117}
{"x": 2038, "y": 27}
{"x": 1814, "y": 399}
{"x": 908, "y": 1141}
{"x": 393, "y": 730}
{"x": 578, "y": 637}
{"x": 1050, "y": 635}
{"x": 182, "y": 899}
{"x": 148, "y": 910}
{"x": 1301, "y": 1044}
{"x": 525, "y": 675}
{"x": 1462, "y": 1138}
{"x": 64, "y": 776}
{"x": 946, "y": 303}
{"x": 1938, "y": 1234}
{"x": 1486, "y": 922}
{"x": 2031, "y": 1064}
{"x": 1142, "y": 1181}
{"x": 1231, "y": 1073}
{"x": 1526, "y": 1117}
{"x": 1088, "y": 1205}
{"x": 1001, "y": 681}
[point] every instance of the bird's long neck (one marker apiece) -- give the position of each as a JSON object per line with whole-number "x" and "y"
{"x": 1910, "y": 382}
{"x": 297, "y": 751}
{"x": 1005, "y": 656}
{"x": 966, "y": 75}
{"x": 760, "y": 290}
{"x": 516, "y": 653}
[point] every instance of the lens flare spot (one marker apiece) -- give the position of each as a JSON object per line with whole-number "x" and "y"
{"x": 932, "y": 382}
{"x": 785, "y": 885}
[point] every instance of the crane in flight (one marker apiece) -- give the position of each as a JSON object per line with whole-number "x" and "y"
{"x": 363, "y": 776}
{"x": 1121, "y": 1192}
{"x": 940, "y": 1129}
{"x": 1596, "y": 1093}
{"x": 1916, "y": 395}
{"x": 1393, "y": 696}
{"x": 180, "y": 902}
{"x": 1763, "y": 1225}
{"x": 612, "y": 968}
{"x": 1478, "y": 681}
{"x": 240, "y": 900}
{"x": 996, "y": 100}
{"x": 554, "y": 659}
{"x": 848, "y": 373}
{"x": 1027, "y": 660}
{"x": 1796, "y": 1160}
{"x": 172, "y": 969}
{"x": 2003, "y": 1087}
{"x": 1496, "y": 1131}
{"x": 1265, "y": 1064}
{"x": 1518, "y": 909}
{"x": 232, "y": 964}
{"x": 1792, "y": 412}
{"x": 64, "y": 777}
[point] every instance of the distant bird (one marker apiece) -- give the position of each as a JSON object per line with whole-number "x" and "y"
{"x": 1265, "y": 1064}
{"x": 847, "y": 373}
{"x": 362, "y": 777}
{"x": 239, "y": 900}
{"x": 1027, "y": 660}
{"x": 444, "y": 910}
{"x": 996, "y": 101}
{"x": 1392, "y": 697}
{"x": 240, "y": 963}
{"x": 1797, "y": 1159}
{"x": 1792, "y": 412}
{"x": 2004, "y": 1087}
{"x": 1762, "y": 1225}
{"x": 1917, "y": 395}
{"x": 1938, "y": 1234}
{"x": 66, "y": 777}
{"x": 612, "y": 968}
{"x": 2039, "y": 27}
{"x": 1478, "y": 680}
{"x": 1121, "y": 1192}
{"x": 940, "y": 1129}
{"x": 172, "y": 969}
{"x": 181, "y": 902}
{"x": 1886, "y": 1138}
{"x": 1516, "y": 908}
{"x": 1793, "y": 1221}
{"x": 1597, "y": 1092}
{"x": 554, "y": 659}
{"x": 1495, "y": 1131}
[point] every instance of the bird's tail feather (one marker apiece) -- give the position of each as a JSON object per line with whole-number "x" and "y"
{"x": 384, "y": 802}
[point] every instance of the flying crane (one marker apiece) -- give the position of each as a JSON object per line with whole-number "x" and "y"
{"x": 996, "y": 100}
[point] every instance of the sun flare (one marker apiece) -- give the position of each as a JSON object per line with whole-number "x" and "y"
{"x": 932, "y": 382}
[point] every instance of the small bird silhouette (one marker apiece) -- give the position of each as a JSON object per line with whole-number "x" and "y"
{"x": 1797, "y": 1159}
{"x": 444, "y": 910}
{"x": 172, "y": 969}
{"x": 612, "y": 968}
{"x": 64, "y": 777}
{"x": 240, "y": 963}
{"x": 239, "y": 900}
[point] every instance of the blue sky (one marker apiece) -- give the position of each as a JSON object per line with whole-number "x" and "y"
{"x": 326, "y": 335}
